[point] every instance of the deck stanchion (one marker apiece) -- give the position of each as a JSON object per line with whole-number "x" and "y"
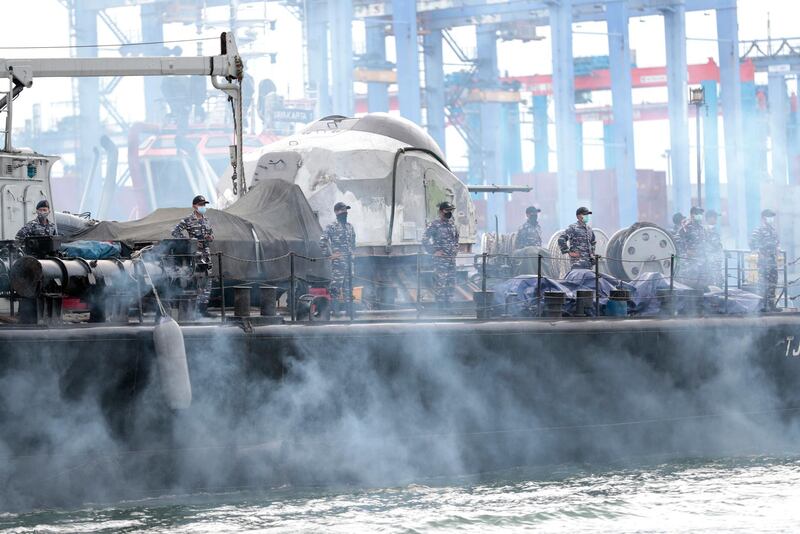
{"x": 291, "y": 287}
{"x": 221, "y": 279}
{"x": 597, "y": 286}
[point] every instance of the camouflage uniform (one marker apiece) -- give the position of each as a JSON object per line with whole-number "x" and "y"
{"x": 528, "y": 235}
{"x": 693, "y": 255}
{"x": 199, "y": 228}
{"x": 341, "y": 238}
{"x": 442, "y": 236}
{"x": 35, "y": 229}
{"x": 765, "y": 241}
{"x": 578, "y": 237}
{"x": 716, "y": 257}
{"x": 676, "y": 234}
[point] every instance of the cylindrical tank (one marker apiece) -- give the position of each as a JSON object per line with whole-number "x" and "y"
{"x": 643, "y": 247}
{"x": 268, "y": 300}
{"x": 31, "y": 277}
{"x": 241, "y": 301}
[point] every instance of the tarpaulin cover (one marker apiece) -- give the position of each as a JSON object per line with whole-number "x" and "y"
{"x": 520, "y": 293}
{"x": 270, "y": 221}
{"x": 91, "y": 250}
{"x": 647, "y": 303}
{"x": 525, "y": 302}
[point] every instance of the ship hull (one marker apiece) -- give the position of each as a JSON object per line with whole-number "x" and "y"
{"x": 83, "y": 415}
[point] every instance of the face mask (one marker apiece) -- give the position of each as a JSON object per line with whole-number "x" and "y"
{"x": 201, "y": 209}
{"x": 587, "y": 219}
{"x": 42, "y": 215}
{"x": 770, "y": 220}
{"x": 341, "y": 217}
{"x": 698, "y": 218}
{"x": 448, "y": 215}
{"x": 533, "y": 218}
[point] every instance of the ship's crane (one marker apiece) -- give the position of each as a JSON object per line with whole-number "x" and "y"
{"x": 226, "y": 71}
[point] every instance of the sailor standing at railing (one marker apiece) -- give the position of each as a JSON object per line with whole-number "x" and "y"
{"x": 530, "y": 233}
{"x": 38, "y": 227}
{"x": 338, "y": 242}
{"x": 765, "y": 241}
{"x": 578, "y": 241}
{"x": 441, "y": 240}
{"x": 693, "y": 267}
{"x": 197, "y": 226}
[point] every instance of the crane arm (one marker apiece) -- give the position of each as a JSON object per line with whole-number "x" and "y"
{"x": 227, "y": 65}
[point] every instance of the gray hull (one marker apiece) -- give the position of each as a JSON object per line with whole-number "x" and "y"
{"x": 82, "y": 416}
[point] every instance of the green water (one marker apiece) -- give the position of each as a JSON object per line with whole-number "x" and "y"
{"x": 743, "y": 494}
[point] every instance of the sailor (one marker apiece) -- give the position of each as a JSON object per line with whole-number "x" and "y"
{"x": 765, "y": 241}
{"x": 578, "y": 241}
{"x": 530, "y": 233}
{"x": 338, "y": 242}
{"x": 197, "y": 226}
{"x": 693, "y": 269}
{"x": 716, "y": 253}
{"x": 38, "y": 227}
{"x": 678, "y": 220}
{"x": 441, "y": 240}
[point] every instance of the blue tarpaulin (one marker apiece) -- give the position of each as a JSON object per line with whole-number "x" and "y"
{"x": 92, "y": 250}
{"x": 519, "y": 294}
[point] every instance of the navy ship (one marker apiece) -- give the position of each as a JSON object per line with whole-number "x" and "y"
{"x": 105, "y": 396}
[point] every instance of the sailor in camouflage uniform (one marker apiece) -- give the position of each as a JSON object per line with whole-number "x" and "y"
{"x": 338, "y": 242}
{"x": 441, "y": 240}
{"x": 578, "y": 241}
{"x": 693, "y": 269}
{"x": 38, "y": 227}
{"x": 530, "y": 233}
{"x": 197, "y": 226}
{"x": 765, "y": 241}
{"x": 716, "y": 253}
{"x": 678, "y": 220}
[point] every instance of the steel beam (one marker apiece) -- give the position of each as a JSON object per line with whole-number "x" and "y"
{"x": 377, "y": 93}
{"x": 404, "y": 20}
{"x": 754, "y": 144}
{"x": 434, "y": 86}
{"x": 675, "y": 33}
{"x": 541, "y": 145}
{"x": 88, "y": 103}
{"x": 153, "y": 31}
{"x": 778, "y": 115}
{"x": 709, "y": 116}
{"x": 536, "y": 11}
{"x": 564, "y": 97}
{"x": 512, "y": 141}
{"x": 622, "y": 96}
{"x": 609, "y": 150}
{"x": 731, "y": 91}
{"x": 491, "y": 147}
{"x": 317, "y": 50}
{"x": 340, "y": 15}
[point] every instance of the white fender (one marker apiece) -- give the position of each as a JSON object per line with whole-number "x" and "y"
{"x": 173, "y": 369}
